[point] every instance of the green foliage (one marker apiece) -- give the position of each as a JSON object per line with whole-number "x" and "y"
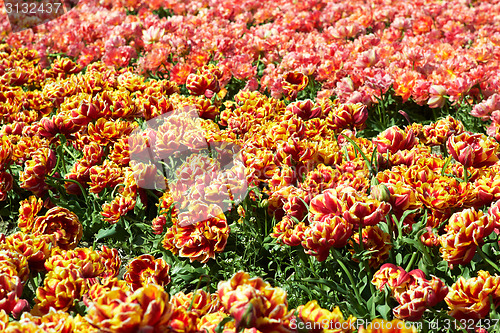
{"x": 163, "y": 12}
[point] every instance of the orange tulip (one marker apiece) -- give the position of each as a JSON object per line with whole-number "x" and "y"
{"x": 144, "y": 270}
{"x": 36, "y": 248}
{"x": 199, "y": 234}
{"x": 311, "y": 314}
{"x": 472, "y": 225}
{"x": 40, "y": 165}
{"x": 292, "y": 83}
{"x": 329, "y": 232}
{"x": 253, "y": 303}
{"x": 85, "y": 260}
{"x": 202, "y": 84}
{"x": 470, "y": 298}
{"x": 121, "y": 311}
{"x": 11, "y": 289}
{"x": 394, "y": 139}
{"x": 473, "y": 150}
{"x": 61, "y": 223}
{"x": 61, "y": 287}
{"x": 27, "y": 212}
{"x": 13, "y": 263}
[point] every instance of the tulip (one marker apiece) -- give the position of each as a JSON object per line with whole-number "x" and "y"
{"x": 394, "y": 139}
{"x": 62, "y": 223}
{"x": 473, "y": 150}
{"x": 144, "y": 270}
{"x": 470, "y": 298}
{"x": 436, "y": 96}
{"x": 292, "y": 83}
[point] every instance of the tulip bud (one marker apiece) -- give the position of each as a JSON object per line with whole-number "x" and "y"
{"x": 429, "y": 239}
{"x": 264, "y": 203}
{"x": 241, "y": 211}
{"x": 380, "y": 192}
{"x": 21, "y": 306}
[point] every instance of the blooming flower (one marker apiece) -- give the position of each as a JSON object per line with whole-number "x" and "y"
{"x": 11, "y": 289}
{"x": 61, "y": 287}
{"x": 470, "y": 298}
{"x": 39, "y": 166}
{"x": 61, "y": 223}
{"x": 200, "y": 237}
{"x": 121, "y": 311}
{"x": 145, "y": 270}
{"x": 394, "y": 139}
{"x": 473, "y": 150}
{"x": 312, "y": 313}
{"x": 292, "y": 83}
{"x": 254, "y": 303}
{"x": 329, "y": 232}
{"x": 412, "y": 290}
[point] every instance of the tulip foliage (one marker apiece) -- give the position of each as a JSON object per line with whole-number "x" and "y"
{"x": 256, "y": 166}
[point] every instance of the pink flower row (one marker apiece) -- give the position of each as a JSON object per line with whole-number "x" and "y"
{"x": 429, "y": 51}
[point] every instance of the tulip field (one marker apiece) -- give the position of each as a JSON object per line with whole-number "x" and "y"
{"x": 273, "y": 166}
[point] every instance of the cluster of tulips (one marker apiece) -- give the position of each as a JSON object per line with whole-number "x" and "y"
{"x": 83, "y": 277}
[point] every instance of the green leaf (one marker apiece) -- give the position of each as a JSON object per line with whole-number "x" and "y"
{"x": 384, "y": 310}
{"x": 330, "y": 283}
{"x": 104, "y": 233}
{"x": 306, "y": 290}
{"x": 442, "y": 266}
{"x": 466, "y": 273}
{"x": 406, "y": 240}
{"x": 399, "y": 259}
{"x": 220, "y": 326}
{"x": 372, "y": 301}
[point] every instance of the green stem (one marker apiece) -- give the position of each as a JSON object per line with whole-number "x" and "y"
{"x": 57, "y": 165}
{"x": 446, "y": 163}
{"x": 367, "y": 161}
{"x": 412, "y": 261}
{"x": 370, "y": 276}
{"x": 348, "y": 273}
{"x": 63, "y": 161}
{"x": 488, "y": 260}
{"x": 391, "y": 233}
{"x": 466, "y": 176}
{"x": 84, "y": 194}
